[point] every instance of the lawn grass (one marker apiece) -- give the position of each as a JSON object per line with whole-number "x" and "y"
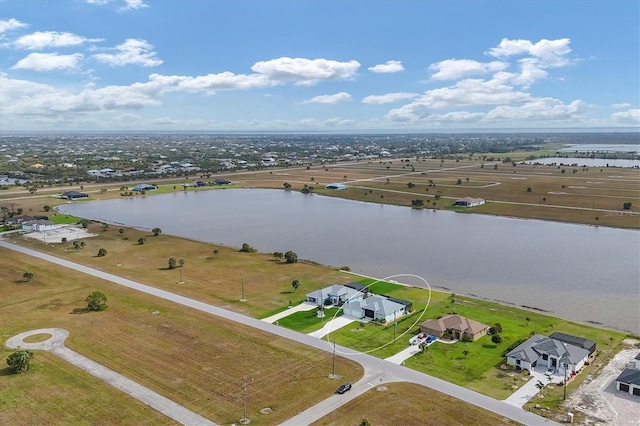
{"x": 308, "y": 321}
{"x": 410, "y": 404}
{"x": 190, "y": 357}
{"x": 64, "y": 219}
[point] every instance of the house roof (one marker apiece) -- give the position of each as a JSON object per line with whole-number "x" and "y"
{"x": 74, "y": 194}
{"x": 581, "y": 342}
{"x": 336, "y": 290}
{"x": 381, "y": 304}
{"x": 455, "y": 322}
{"x": 532, "y": 348}
{"x": 629, "y": 376}
{"x": 357, "y": 286}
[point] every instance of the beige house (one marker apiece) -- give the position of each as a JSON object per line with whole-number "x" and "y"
{"x": 458, "y": 327}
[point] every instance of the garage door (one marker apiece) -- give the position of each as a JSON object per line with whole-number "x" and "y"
{"x": 624, "y": 387}
{"x": 636, "y": 391}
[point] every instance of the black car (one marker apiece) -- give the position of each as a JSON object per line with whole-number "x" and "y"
{"x": 342, "y": 389}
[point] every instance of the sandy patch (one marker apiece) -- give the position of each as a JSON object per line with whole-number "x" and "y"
{"x": 599, "y": 401}
{"x": 70, "y": 232}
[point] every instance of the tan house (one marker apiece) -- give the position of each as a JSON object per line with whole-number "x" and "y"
{"x": 458, "y": 327}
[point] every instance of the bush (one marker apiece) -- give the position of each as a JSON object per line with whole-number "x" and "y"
{"x": 96, "y": 301}
{"x": 291, "y": 256}
{"x": 20, "y": 360}
{"x": 496, "y": 338}
{"x": 246, "y": 248}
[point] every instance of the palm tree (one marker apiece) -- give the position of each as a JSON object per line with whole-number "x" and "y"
{"x": 181, "y": 262}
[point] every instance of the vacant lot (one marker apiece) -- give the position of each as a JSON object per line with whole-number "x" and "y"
{"x": 410, "y": 404}
{"x": 195, "y": 359}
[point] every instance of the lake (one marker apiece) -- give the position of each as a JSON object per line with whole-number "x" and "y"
{"x": 586, "y": 162}
{"x": 582, "y": 273}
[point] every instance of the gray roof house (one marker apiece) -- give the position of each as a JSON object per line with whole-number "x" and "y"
{"x": 375, "y": 307}
{"x": 334, "y": 295}
{"x": 629, "y": 379}
{"x": 549, "y": 353}
{"x": 581, "y": 342}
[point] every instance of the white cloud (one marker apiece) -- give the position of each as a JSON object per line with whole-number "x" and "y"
{"x": 547, "y": 109}
{"x": 10, "y": 25}
{"x": 387, "y": 68}
{"x": 631, "y": 116}
{"x": 338, "y": 122}
{"x": 131, "y": 52}
{"x": 457, "y": 117}
{"x": 388, "y": 98}
{"x": 133, "y": 5}
{"x": 329, "y": 99}
{"x": 45, "y": 39}
{"x": 621, "y": 105}
{"x": 305, "y": 72}
{"x": 49, "y": 61}
{"x": 550, "y": 53}
{"x": 211, "y": 83}
{"x": 453, "y": 69}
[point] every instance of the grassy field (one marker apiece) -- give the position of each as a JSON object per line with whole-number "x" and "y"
{"x": 195, "y": 359}
{"x": 410, "y": 404}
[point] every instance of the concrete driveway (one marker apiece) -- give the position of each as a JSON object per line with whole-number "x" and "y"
{"x": 332, "y": 325}
{"x": 529, "y": 389}
{"x": 304, "y": 306}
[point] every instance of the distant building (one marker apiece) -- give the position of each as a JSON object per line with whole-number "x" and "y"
{"x": 549, "y": 353}
{"x": 378, "y": 308}
{"x": 457, "y": 326}
{"x": 336, "y": 186}
{"x": 72, "y": 195}
{"x": 144, "y": 187}
{"x": 39, "y": 225}
{"x": 469, "y": 202}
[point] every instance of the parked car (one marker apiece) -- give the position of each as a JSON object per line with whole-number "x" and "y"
{"x": 430, "y": 338}
{"x": 417, "y": 339}
{"x": 344, "y": 388}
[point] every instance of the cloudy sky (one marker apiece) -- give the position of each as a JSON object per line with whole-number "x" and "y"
{"x": 318, "y": 65}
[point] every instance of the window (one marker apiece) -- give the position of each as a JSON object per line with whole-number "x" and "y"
{"x": 517, "y": 362}
{"x": 545, "y": 357}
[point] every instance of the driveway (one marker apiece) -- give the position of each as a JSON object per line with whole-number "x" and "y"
{"x": 332, "y": 325}
{"x": 304, "y": 306}
{"x": 529, "y": 389}
{"x": 375, "y": 368}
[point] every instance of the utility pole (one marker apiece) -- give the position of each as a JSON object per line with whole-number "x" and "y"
{"x": 242, "y": 284}
{"x": 564, "y": 396}
{"x": 333, "y": 360}
{"x": 180, "y": 282}
{"x": 244, "y": 420}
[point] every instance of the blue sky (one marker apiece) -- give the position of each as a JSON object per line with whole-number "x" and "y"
{"x": 168, "y": 65}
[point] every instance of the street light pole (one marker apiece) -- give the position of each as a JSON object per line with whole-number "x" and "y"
{"x": 242, "y": 284}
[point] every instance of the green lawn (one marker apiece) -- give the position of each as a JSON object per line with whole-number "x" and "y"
{"x": 308, "y": 321}
{"x": 64, "y": 219}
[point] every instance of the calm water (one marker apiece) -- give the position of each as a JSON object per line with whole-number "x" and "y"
{"x": 587, "y": 162}
{"x": 603, "y": 148}
{"x": 582, "y": 273}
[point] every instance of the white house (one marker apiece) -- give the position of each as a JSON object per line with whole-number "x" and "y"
{"x": 550, "y": 353}
{"x": 376, "y": 307}
{"x": 469, "y": 202}
{"x": 39, "y": 225}
{"x": 334, "y": 295}
{"x": 629, "y": 379}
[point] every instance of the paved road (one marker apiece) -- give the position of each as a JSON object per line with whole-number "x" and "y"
{"x": 377, "y": 370}
{"x": 55, "y": 344}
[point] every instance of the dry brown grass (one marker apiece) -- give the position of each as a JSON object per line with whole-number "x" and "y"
{"x": 410, "y": 404}
{"x": 215, "y": 279}
{"x": 193, "y": 358}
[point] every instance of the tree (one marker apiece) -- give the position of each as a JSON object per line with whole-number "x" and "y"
{"x": 364, "y": 422}
{"x": 172, "y": 263}
{"x": 84, "y": 223}
{"x": 277, "y": 255}
{"x": 287, "y": 186}
{"x": 141, "y": 240}
{"x": 46, "y": 208}
{"x": 96, "y": 301}
{"x": 295, "y": 284}
{"x": 181, "y": 262}
{"x": 246, "y": 248}
{"x": 540, "y": 385}
{"x": 28, "y": 276}
{"x": 527, "y": 319}
{"x": 291, "y": 256}
{"x": 156, "y": 231}
{"x": 102, "y": 252}
{"x": 215, "y": 252}
{"x": 459, "y": 182}
{"x": 64, "y": 239}
{"x": 20, "y": 360}
{"x": 626, "y": 206}
{"x": 465, "y": 353}
{"x": 496, "y": 338}
{"x": 529, "y": 189}
{"x": 121, "y": 231}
